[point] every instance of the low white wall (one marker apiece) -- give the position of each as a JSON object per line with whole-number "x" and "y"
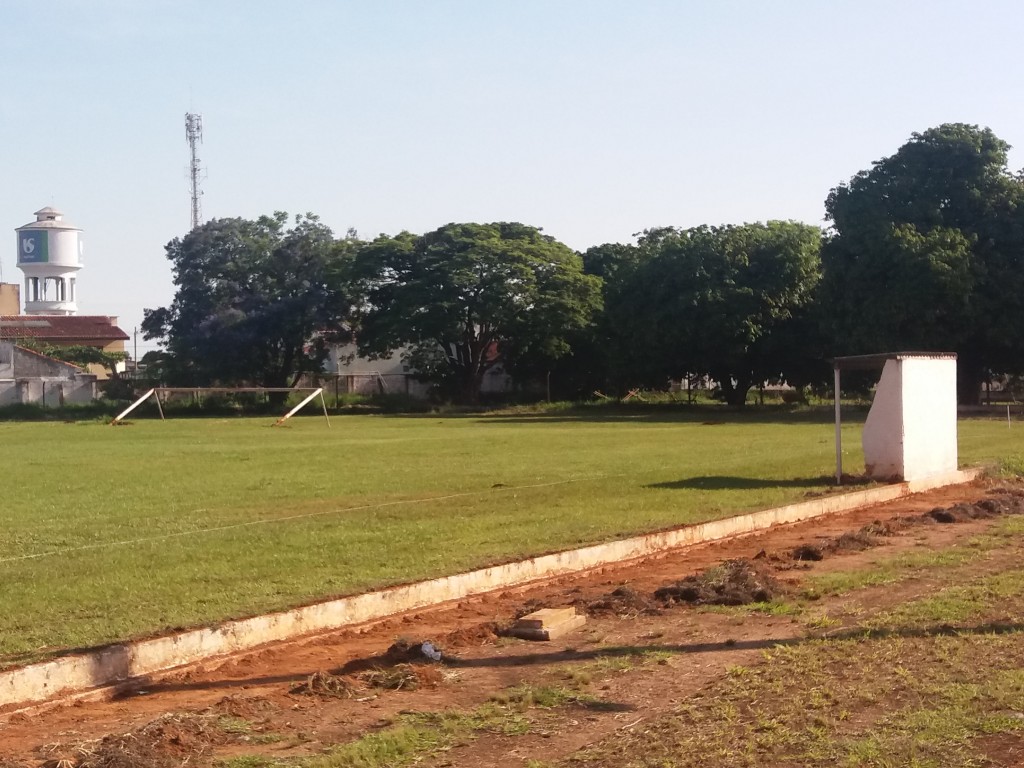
{"x": 109, "y": 666}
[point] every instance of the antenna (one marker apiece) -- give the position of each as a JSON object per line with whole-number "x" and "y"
{"x": 194, "y": 135}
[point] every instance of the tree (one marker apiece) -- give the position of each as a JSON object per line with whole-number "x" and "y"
{"x": 465, "y": 297}
{"x": 716, "y": 301}
{"x": 254, "y": 301}
{"x": 925, "y": 251}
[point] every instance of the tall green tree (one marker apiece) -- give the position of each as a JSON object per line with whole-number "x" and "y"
{"x": 255, "y": 301}
{"x": 925, "y": 253}
{"x": 465, "y": 297}
{"x": 717, "y": 301}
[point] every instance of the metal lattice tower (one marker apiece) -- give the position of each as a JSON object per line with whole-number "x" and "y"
{"x": 194, "y": 134}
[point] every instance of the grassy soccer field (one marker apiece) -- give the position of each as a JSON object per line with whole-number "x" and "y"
{"x": 111, "y": 533}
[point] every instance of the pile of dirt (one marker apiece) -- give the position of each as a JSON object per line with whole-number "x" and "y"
{"x": 851, "y": 541}
{"x": 406, "y": 651}
{"x": 622, "y": 601}
{"x": 326, "y": 685}
{"x": 469, "y": 637}
{"x": 245, "y": 707}
{"x": 408, "y": 677}
{"x": 167, "y": 742}
{"x": 734, "y": 582}
{"x": 530, "y": 606}
{"x": 885, "y": 528}
{"x": 1008, "y": 503}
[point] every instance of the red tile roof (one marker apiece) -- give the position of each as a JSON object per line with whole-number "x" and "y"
{"x": 57, "y": 328}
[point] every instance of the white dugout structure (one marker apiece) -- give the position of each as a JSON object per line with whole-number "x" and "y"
{"x": 911, "y": 431}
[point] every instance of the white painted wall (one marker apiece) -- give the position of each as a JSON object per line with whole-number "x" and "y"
{"x": 911, "y": 430}
{"x": 929, "y": 417}
{"x": 883, "y": 429}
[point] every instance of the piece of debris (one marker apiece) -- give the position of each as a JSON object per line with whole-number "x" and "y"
{"x": 547, "y": 624}
{"x": 428, "y": 650}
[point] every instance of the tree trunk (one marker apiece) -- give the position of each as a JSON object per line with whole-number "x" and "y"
{"x": 734, "y": 393}
{"x": 969, "y": 379}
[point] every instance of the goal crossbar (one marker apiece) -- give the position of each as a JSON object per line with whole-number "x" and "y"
{"x": 155, "y": 393}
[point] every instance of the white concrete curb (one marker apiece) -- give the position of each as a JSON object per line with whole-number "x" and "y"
{"x": 118, "y": 663}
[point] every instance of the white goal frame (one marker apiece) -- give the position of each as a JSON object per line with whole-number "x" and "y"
{"x": 155, "y": 393}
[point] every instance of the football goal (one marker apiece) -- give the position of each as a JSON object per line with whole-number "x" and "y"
{"x": 157, "y": 392}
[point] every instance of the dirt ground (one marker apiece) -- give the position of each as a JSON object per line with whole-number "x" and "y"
{"x": 651, "y": 642}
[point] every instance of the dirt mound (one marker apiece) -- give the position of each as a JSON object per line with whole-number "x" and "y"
{"x": 245, "y": 707}
{"x": 406, "y": 651}
{"x": 621, "y": 601}
{"x": 530, "y": 606}
{"x": 470, "y": 637}
{"x": 851, "y": 541}
{"x": 409, "y": 677}
{"x": 327, "y": 685}
{"x": 1011, "y": 503}
{"x": 734, "y": 582}
{"x": 167, "y": 742}
{"x": 808, "y": 552}
{"x": 889, "y": 527}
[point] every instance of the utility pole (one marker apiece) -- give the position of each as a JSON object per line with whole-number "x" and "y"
{"x": 194, "y": 135}
{"x": 135, "y": 354}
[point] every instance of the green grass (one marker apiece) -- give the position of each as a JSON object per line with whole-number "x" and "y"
{"x": 868, "y": 702}
{"x": 112, "y": 533}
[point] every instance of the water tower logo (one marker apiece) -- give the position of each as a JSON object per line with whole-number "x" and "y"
{"x": 33, "y": 248}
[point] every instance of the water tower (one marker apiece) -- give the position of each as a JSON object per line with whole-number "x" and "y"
{"x": 50, "y": 255}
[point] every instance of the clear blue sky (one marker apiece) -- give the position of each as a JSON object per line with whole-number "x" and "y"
{"x": 591, "y": 119}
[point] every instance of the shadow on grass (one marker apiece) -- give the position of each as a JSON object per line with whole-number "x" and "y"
{"x": 733, "y": 483}
{"x": 681, "y": 413}
{"x": 131, "y": 688}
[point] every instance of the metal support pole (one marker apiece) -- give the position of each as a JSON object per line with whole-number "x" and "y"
{"x": 324, "y": 404}
{"x": 839, "y": 433}
{"x": 298, "y": 407}
{"x": 132, "y": 407}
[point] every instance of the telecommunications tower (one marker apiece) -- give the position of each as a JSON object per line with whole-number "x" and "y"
{"x": 194, "y": 134}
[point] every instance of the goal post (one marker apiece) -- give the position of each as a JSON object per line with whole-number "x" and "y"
{"x": 156, "y": 392}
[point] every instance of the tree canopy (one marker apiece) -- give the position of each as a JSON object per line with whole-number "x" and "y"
{"x": 465, "y": 297}
{"x": 925, "y": 254}
{"x": 715, "y": 301}
{"x": 254, "y": 301}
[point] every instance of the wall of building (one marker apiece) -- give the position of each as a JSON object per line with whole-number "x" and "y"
{"x": 929, "y": 417}
{"x": 10, "y": 299}
{"x": 911, "y": 430}
{"x": 361, "y": 375}
{"x": 883, "y": 429}
{"x": 28, "y": 377}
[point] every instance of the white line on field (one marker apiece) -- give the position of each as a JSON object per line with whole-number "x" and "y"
{"x": 249, "y": 523}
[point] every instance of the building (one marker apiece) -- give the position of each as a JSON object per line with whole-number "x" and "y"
{"x": 28, "y": 377}
{"x": 98, "y": 331}
{"x": 50, "y": 256}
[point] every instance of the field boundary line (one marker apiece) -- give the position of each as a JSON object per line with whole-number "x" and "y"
{"x": 117, "y": 664}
